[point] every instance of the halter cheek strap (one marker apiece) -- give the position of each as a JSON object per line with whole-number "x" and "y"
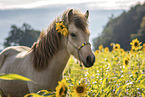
{"x": 78, "y": 48}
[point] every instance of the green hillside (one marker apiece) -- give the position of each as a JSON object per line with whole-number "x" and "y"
{"x": 123, "y": 29}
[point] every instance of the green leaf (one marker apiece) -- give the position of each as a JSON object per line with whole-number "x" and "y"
{"x": 142, "y": 81}
{"x": 143, "y": 95}
{"x": 44, "y": 93}
{"x": 104, "y": 82}
{"x": 118, "y": 89}
{"x": 141, "y": 76}
{"x": 32, "y": 95}
{"x": 13, "y": 77}
{"x": 123, "y": 87}
{"x": 108, "y": 88}
{"x": 142, "y": 86}
{"x": 36, "y": 95}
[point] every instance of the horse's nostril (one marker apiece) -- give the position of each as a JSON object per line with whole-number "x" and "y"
{"x": 88, "y": 59}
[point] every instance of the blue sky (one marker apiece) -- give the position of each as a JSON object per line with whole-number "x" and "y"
{"x": 97, "y": 4}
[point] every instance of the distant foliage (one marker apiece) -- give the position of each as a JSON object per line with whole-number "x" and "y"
{"x": 141, "y": 32}
{"x": 129, "y": 25}
{"x": 24, "y": 36}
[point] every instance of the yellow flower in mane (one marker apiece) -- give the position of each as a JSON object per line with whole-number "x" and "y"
{"x": 65, "y": 32}
{"x": 61, "y": 28}
{"x": 135, "y": 44}
{"x": 80, "y": 90}
{"x": 61, "y": 89}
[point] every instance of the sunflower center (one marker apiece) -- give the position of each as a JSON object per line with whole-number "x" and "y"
{"x": 126, "y": 62}
{"x": 116, "y": 47}
{"x": 61, "y": 26}
{"x": 135, "y": 44}
{"x": 80, "y": 89}
{"x": 65, "y": 90}
{"x": 61, "y": 90}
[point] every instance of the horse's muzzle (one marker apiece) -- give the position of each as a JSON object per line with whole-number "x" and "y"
{"x": 89, "y": 61}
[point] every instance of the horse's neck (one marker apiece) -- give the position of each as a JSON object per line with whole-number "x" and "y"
{"x": 59, "y": 61}
{"x": 56, "y": 65}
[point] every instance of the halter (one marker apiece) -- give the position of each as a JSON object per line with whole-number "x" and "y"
{"x": 78, "y": 48}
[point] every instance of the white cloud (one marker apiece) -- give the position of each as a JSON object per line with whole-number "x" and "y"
{"x": 114, "y": 4}
{"x": 99, "y": 4}
{"x": 24, "y": 5}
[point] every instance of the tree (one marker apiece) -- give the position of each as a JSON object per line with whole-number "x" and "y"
{"x": 121, "y": 29}
{"x": 141, "y": 32}
{"x": 24, "y": 36}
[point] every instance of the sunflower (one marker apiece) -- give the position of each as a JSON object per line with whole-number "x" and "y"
{"x": 135, "y": 44}
{"x": 65, "y": 32}
{"x": 61, "y": 89}
{"x": 100, "y": 47}
{"x": 126, "y": 61}
{"x": 116, "y": 47}
{"x": 80, "y": 90}
{"x": 143, "y": 64}
{"x": 106, "y": 49}
{"x": 111, "y": 44}
{"x": 61, "y": 28}
{"x": 143, "y": 47}
{"x": 96, "y": 52}
{"x": 122, "y": 52}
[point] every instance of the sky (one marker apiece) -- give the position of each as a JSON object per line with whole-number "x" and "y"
{"x": 97, "y": 4}
{"x": 98, "y": 19}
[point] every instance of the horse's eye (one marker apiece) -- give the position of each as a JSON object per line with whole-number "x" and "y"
{"x": 73, "y": 34}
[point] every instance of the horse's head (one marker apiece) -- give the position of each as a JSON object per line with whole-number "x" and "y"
{"x": 78, "y": 37}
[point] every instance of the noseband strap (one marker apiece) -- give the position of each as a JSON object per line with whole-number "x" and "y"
{"x": 86, "y": 43}
{"x": 78, "y": 48}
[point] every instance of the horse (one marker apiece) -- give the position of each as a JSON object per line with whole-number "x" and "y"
{"x": 46, "y": 60}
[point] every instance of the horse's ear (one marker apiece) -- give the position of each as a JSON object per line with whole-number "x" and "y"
{"x": 87, "y": 14}
{"x": 70, "y": 16}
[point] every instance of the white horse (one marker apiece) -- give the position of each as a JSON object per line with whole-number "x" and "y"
{"x": 45, "y": 61}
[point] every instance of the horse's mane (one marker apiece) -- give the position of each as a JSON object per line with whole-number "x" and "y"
{"x": 49, "y": 42}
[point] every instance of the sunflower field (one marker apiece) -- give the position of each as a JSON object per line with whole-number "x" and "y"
{"x": 115, "y": 73}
